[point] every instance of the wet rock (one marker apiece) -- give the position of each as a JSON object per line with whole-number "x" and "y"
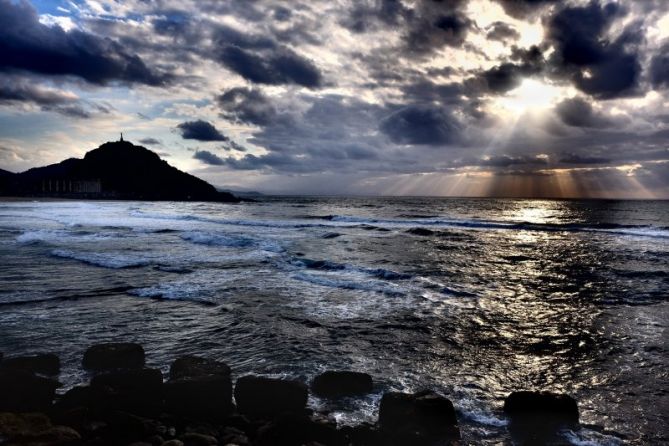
{"x": 536, "y": 417}
{"x": 135, "y": 390}
{"x": 202, "y": 428}
{"x": 155, "y": 440}
{"x": 76, "y": 397}
{"x": 44, "y": 364}
{"x": 195, "y": 439}
{"x": 420, "y": 231}
{"x": 541, "y": 403}
{"x": 199, "y": 387}
{"x": 295, "y": 430}
{"x": 338, "y": 384}
{"x": 23, "y": 391}
{"x": 363, "y": 434}
{"x": 417, "y": 418}
{"x": 260, "y": 396}
{"x": 114, "y": 356}
{"x": 34, "y": 429}
{"x": 231, "y": 435}
{"x": 123, "y": 427}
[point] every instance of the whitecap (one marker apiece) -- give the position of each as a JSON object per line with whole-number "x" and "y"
{"x": 113, "y": 261}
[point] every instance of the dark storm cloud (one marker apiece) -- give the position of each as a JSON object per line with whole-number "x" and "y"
{"x": 659, "y": 67}
{"x": 508, "y": 160}
{"x": 150, "y": 141}
{"x": 502, "y": 32}
{"x": 26, "y": 44}
{"x": 283, "y": 67}
{"x": 508, "y": 75}
{"x": 421, "y": 125}
{"x": 368, "y": 16}
{"x": 602, "y": 67}
{"x": 201, "y": 131}
{"x": 577, "y": 112}
{"x": 576, "y": 158}
{"x": 15, "y": 90}
{"x": 261, "y": 60}
{"x": 22, "y": 91}
{"x": 208, "y": 158}
{"x": 247, "y": 105}
{"x": 436, "y": 24}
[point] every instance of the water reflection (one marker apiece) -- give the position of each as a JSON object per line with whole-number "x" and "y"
{"x": 474, "y": 311}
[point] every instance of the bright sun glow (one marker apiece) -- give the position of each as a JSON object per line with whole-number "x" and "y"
{"x": 531, "y": 95}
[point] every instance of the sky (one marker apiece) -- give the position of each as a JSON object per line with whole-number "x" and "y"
{"x": 530, "y": 98}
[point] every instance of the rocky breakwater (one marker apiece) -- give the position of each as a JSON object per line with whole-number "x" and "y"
{"x": 127, "y": 403}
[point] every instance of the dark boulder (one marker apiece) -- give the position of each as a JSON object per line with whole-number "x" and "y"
{"x": 364, "y": 434}
{"x": 297, "y": 430}
{"x": 134, "y": 390}
{"x": 43, "y": 364}
{"x": 538, "y": 417}
{"x": 259, "y": 396}
{"x": 541, "y": 403}
{"x": 111, "y": 356}
{"x": 22, "y": 391}
{"x": 123, "y": 428}
{"x": 196, "y": 439}
{"x": 199, "y": 387}
{"x": 338, "y": 384}
{"x": 417, "y": 418}
{"x": 34, "y": 429}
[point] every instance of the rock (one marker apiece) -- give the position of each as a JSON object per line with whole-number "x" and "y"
{"x": 134, "y": 390}
{"x": 114, "y": 356}
{"x": 416, "y": 418}
{"x": 22, "y": 391}
{"x": 337, "y": 384}
{"x": 202, "y": 428}
{"x": 541, "y": 403}
{"x": 44, "y": 364}
{"x": 155, "y": 440}
{"x": 194, "y": 366}
{"x": 123, "y": 427}
{"x": 195, "y": 439}
{"x": 199, "y": 387}
{"x": 173, "y": 443}
{"x": 363, "y": 434}
{"x": 231, "y": 435}
{"x": 295, "y": 430}
{"x": 260, "y": 396}
{"x": 34, "y": 429}
{"x": 537, "y": 417}
{"x": 76, "y": 397}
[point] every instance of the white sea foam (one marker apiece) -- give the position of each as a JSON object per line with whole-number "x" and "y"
{"x": 106, "y": 260}
{"x": 585, "y": 437}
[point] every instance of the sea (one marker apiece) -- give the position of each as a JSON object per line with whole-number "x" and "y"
{"x": 472, "y": 298}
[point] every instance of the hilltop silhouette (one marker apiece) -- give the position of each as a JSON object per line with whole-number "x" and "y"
{"x": 115, "y": 170}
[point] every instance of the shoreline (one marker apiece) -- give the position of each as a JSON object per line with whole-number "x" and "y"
{"x": 127, "y": 403}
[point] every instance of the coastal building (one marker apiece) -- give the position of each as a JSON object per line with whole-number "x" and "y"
{"x": 66, "y": 186}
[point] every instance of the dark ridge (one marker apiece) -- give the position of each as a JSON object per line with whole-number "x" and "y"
{"x": 116, "y": 170}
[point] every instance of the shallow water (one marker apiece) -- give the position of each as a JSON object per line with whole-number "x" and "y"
{"x": 473, "y": 298}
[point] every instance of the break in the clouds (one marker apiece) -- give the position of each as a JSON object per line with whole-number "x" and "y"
{"x": 480, "y": 97}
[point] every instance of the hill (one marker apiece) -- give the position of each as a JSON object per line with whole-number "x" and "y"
{"x": 115, "y": 170}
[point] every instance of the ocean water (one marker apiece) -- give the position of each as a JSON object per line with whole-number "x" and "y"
{"x": 474, "y": 298}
